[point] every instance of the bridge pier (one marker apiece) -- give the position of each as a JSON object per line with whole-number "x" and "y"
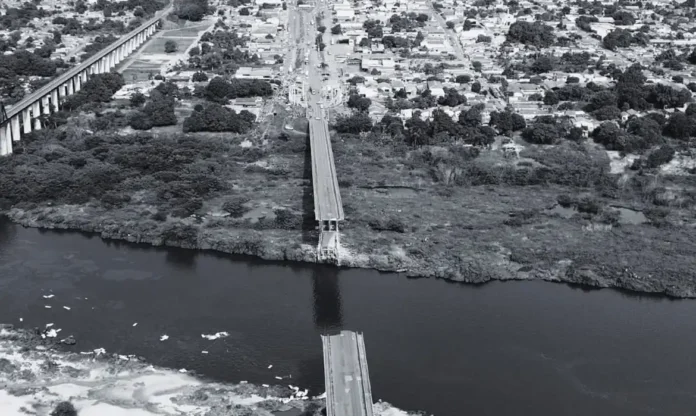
{"x": 5, "y": 139}
{"x": 14, "y": 122}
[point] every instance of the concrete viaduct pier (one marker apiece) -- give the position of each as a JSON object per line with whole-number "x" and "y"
{"x": 348, "y": 391}
{"x": 25, "y": 116}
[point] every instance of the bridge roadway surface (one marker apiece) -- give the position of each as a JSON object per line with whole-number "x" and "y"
{"x": 348, "y": 391}
{"x": 327, "y": 196}
{"x": 64, "y": 77}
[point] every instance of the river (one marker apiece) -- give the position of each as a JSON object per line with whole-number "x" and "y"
{"x": 504, "y": 348}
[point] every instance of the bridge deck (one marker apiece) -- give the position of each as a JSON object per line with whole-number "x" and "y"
{"x": 327, "y": 197}
{"x": 348, "y": 391}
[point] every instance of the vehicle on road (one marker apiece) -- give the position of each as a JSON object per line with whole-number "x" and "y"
{"x": 317, "y": 118}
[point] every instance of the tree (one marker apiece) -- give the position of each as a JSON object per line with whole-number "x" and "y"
{"x": 192, "y": 10}
{"x": 463, "y": 79}
{"x": 355, "y": 123}
{"x": 680, "y": 126}
{"x": 610, "y": 135}
{"x": 665, "y": 96}
{"x": 359, "y": 103}
{"x": 618, "y": 38}
{"x": 160, "y": 110}
{"x": 476, "y": 87}
{"x": 137, "y": 99}
{"x": 609, "y": 112}
{"x": 217, "y": 118}
{"x": 623, "y": 18}
{"x": 321, "y": 29}
{"x": 544, "y": 63}
{"x": 355, "y": 80}
{"x": 199, "y": 76}
{"x": 540, "y": 133}
{"x": 138, "y": 120}
{"x": 575, "y": 134}
{"x": 535, "y": 34}
{"x": 471, "y": 117}
{"x": 170, "y": 46}
{"x": 477, "y": 66}
{"x": 660, "y": 156}
{"x": 244, "y": 11}
{"x": 450, "y": 25}
{"x": 483, "y": 39}
{"x": 336, "y": 30}
{"x": 550, "y": 98}
{"x": 507, "y": 121}
{"x": 452, "y": 98}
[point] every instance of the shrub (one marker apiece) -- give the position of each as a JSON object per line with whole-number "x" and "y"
{"x": 64, "y": 409}
{"x": 199, "y": 76}
{"x": 235, "y": 206}
{"x": 660, "y": 156}
{"x": 170, "y": 46}
{"x": 140, "y": 121}
{"x": 287, "y": 220}
{"x": 137, "y": 99}
{"x": 589, "y": 205}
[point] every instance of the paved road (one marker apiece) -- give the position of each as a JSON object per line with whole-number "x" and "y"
{"x": 454, "y": 40}
{"x": 348, "y": 391}
{"x": 327, "y": 197}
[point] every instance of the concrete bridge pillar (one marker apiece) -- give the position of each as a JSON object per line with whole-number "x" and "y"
{"x": 71, "y": 90}
{"x": 36, "y": 113}
{"x": 5, "y": 140}
{"x": 26, "y": 120}
{"x": 78, "y": 83}
{"x": 16, "y": 132}
{"x": 84, "y": 76}
{"x": 63, "y": 91}
{"x": 54, "y": 100}
{"x": 46, "y": 106}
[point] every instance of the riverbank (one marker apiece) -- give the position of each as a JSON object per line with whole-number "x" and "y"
{"x": 221, "y": 192}
{"x": 470, "y": 249}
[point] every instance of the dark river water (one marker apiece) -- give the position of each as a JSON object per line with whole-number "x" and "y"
{"x": 514, "y": 348}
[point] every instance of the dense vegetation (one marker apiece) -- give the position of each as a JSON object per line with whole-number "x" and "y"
{"x": 74, "y": 167}
{"x": 216, "y": 118}
{"x": 219, "y": 90}
{"x": 193, "y": 10}
{"x": 221, "y": 52}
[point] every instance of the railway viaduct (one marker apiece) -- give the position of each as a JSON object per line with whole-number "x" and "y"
{"x": 25, "y": 116}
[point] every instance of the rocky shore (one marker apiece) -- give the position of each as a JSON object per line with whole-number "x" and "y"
{"x": 39, "y": 373}
{"x": 466, "y": 262}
